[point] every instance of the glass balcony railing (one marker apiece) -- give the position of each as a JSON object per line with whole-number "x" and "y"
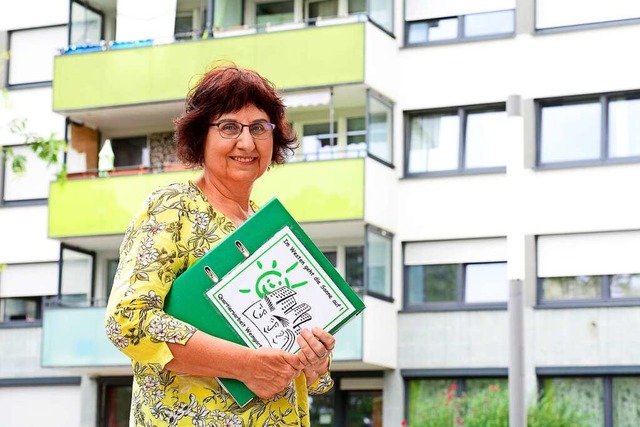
{"x": 74, "y": 337}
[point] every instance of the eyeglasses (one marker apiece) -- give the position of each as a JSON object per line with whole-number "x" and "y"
{"x": 232, "y": 130}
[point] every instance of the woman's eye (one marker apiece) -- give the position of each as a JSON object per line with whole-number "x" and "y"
{"x": 230, "y": 127}
{"x": 257, "y": 128}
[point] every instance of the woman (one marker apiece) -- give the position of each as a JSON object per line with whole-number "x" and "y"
{"x": 234, "y": 127}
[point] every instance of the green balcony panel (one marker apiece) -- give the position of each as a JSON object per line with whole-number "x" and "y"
{"x": 74, "y": 337}
{"x": 309, "y": 57}
{"x": 312, "y": 191}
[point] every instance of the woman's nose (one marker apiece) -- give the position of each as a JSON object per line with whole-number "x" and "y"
{"x": 245, "y": 140}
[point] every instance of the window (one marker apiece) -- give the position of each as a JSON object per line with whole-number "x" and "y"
{"x": 379, "y": 128}
{"x": 114, "y": 401}
{"x": 112, "y": 267}
{"x": 460, "y": 28}
{"x": 457, "y": 140}
{"x": 456, "y": 274}
{"x": 315, "y": 9}
{"x": 553, "y": 13}
{"x": 589, "y": 130}
{"x": 278, "y": 12}
{"x": 77, "y": 276}
{"x": 605, "y": 401}
{"x": 378, "y": 256}
{"x": 22, "y": 288}
{"x": 431, "y": 398}
{"x": 86, "y": 24}
{"x": 32, "y": 52}
{"x": 381, "y": 13}
{"x": 590, "y": 268}
{"x": 354, "y": 262}
{"x": 130, "y": 152}
{"x": 357, "y": 6}
{"x": 319, "y": 141}
{"x": 457, "y": 284}
{"x": 33, "y": 183}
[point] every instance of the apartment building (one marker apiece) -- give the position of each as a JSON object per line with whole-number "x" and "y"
{"x": 445, "y": 148}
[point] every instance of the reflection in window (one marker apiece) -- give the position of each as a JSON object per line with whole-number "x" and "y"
{"x": 364, "y": 408}
{"x": 86, "y": 24}
{"x": 585, "y": 394}
{"x": 381, "y": 12}
{"x": 625, "y": 286}
{"x": 460, "y": 28}
{"x": 626, "y": 400}
{"x": 278, "y": 12}
{"x": 435, "y": 140}
{"x": 380, "y": 134}
{"x": 321, "y": 8}
{"x": 378, "y": 261}
{"x": 321, "y": 409}
{"x": 570, "y": 132}
{"x": 601, "y": 288}
{"x": 357, "y": 6}
{"x": 32, "y": 52}
{"x": 457, "y": 284}
{"x": 428, "y": 396}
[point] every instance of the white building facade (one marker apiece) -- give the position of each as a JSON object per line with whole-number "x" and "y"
{"x": 447, "y": 148}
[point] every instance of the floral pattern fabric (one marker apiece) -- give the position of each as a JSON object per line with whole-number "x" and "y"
{"x": 176, "y": 227}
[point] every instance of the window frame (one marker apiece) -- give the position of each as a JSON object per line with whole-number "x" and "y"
{"x": 462, "y": 113}
{"x": 7, "y": 74}
{"x": 92, "y": 286}
{"x": 605, "y": 373}
{"x": 459, "y": 304}
{"x": 603, "y": 99}
{"x": 460, "y": 37}
{"x": 371, "y": 94}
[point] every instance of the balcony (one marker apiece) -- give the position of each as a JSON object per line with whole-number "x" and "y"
{"x": 86, "y": 348}
{"x": 83, "y": 345}
{"x": 331, "y": 190}
{"x": 312, "y": 56}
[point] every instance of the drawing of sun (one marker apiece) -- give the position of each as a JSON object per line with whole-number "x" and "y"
{"x": 272, "y": 279}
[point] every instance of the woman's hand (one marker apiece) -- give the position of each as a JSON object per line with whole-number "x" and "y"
{"x": 268, "y": 371}
{"x": 315, "y": 347}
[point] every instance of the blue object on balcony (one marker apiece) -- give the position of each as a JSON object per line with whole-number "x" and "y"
{"x": 83, "y": 48}
{"x": 130, "y": 44}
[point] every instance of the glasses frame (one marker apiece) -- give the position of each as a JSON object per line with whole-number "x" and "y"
{"x": 267, "y": 125}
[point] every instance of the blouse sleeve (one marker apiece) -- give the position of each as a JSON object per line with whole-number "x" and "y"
{"x": 324, "y": 383}
{"x": 150, "y": 260}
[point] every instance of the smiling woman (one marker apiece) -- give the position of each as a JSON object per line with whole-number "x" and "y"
{"x": 175, "y": 365}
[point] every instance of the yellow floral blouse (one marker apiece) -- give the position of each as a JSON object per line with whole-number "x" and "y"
{"x": 176, "y": 227}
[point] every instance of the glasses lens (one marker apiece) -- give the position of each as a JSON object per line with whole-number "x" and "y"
{"x": 258, "y": 129}
{"x": 230, "y": 129}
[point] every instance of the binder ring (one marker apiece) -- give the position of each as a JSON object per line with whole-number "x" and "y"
{"x": 243, "y": 250}
{"x": 211, "y": 274}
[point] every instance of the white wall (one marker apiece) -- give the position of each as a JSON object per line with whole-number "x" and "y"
{"x": 54, "y": 406}
{"x": 24, "y": 235}
{"x": 463, "y": 339}
{"x": 380, "y": 195}
{"x": 33, "y": 13}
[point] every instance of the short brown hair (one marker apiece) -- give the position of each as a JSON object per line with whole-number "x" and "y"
{"x": 227, "y": 89}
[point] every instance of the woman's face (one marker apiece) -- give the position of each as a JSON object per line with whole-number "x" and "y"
{"x": 242, "y": 159}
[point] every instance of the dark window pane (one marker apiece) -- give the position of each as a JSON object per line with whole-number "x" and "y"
{"x": 354, "y": 262}
{"x": 625, "y": 286}
{"x": 570, "y": 132}
{"x": 331, "y": 256}
{"x": 484, "y": 24}
{"x": 378, "y": 263}
{"x": 117, "y": 405}
{"x": 441, "y": 282}
{"x": 319, "y": 134}
{"x": 486, "y": 282}
{"x": 624, "y": 128}
{"x": 130, "y": 151}
{"x": 321, "y": 411}
{"x": 571, "y": 288}
{"x": 357, "y": 6}
{"x": 364, "y": 408}
{"x": 274, "y": 13}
